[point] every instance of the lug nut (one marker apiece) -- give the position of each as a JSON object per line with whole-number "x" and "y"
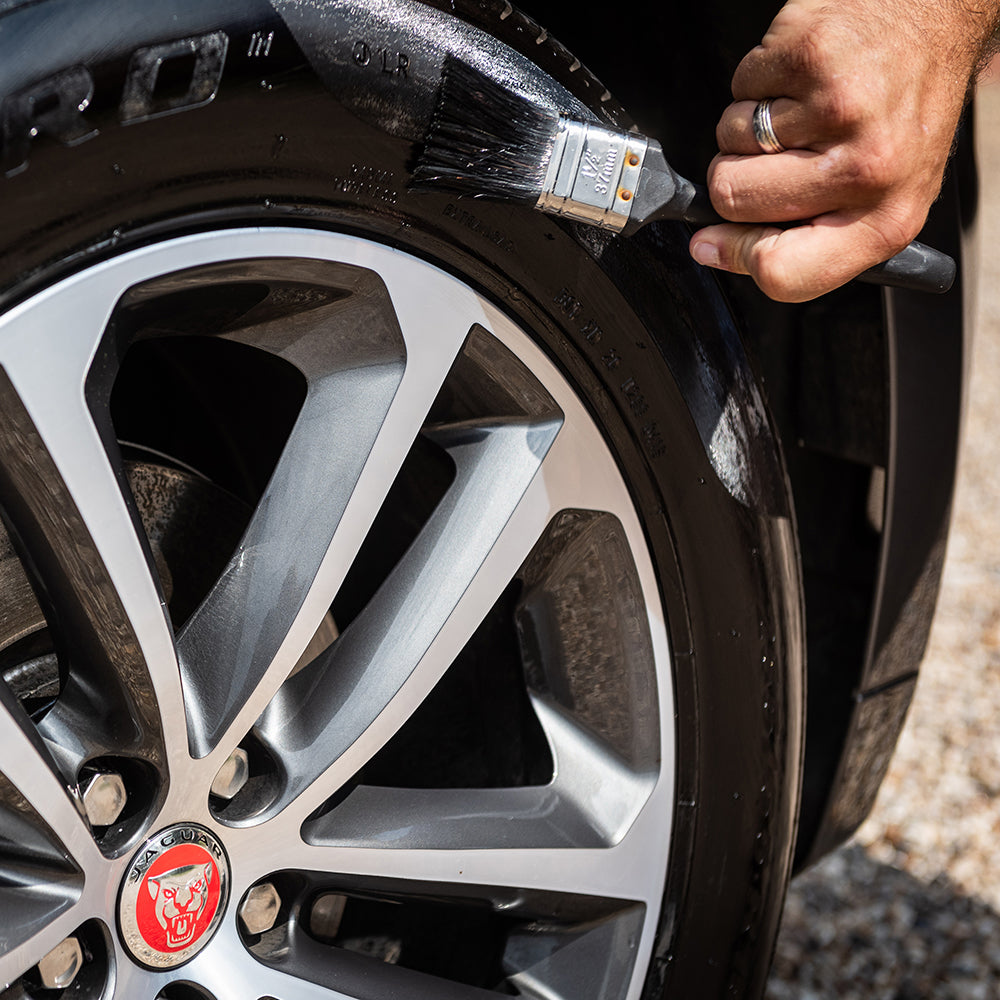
{"x": 59, "y": 967}
{"x": 259, "y": 908}
{"x": 232, "y": 776}
{"x": 326, "y": 915}
{"x": 104, "y": 798}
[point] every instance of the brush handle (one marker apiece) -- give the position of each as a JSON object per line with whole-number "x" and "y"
{"x": 917, "y": 267}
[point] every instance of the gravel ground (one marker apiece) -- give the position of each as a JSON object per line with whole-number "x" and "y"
{"x": 910, "y": 908}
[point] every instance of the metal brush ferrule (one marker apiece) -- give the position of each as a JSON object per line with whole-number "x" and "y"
{"x": 593, "y": 174}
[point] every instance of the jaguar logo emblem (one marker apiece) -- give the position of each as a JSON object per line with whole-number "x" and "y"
{"x": 181, "y": 897}
{"x": 173, "y": 896}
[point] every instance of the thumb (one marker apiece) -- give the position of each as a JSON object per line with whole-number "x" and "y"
{"x": 739, "y": 248}
{"x": 789, "y": 265}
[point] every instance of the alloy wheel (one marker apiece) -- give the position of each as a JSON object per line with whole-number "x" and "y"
{"x": 422, "y": 700}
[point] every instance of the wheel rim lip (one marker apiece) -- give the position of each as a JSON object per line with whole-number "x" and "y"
{"x": 208, "y": 248}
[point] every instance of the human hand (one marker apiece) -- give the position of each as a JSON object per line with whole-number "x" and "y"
{"x": 867, "y": 97}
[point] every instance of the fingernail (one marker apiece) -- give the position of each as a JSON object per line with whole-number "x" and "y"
{"x": 706, "y": 253}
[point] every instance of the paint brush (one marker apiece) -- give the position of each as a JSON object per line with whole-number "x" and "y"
{"x": 487, "y": 141}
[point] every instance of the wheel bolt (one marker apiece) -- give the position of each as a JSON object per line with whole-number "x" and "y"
{"x": 259, "y": 908}
{"x": 233, "y": 775}
{"x": 59, "y": 967}
{"x": 326, "y": 915}
{"x": 104, "y": 798}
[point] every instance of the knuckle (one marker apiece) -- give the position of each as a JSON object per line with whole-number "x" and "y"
{"x": 874, "y": 173}
{"x": 869, "y": 170}
{"x": 881, "y": 170}
{"x": 774, "y": 283}
{"x": 842, "y": 106}
{"x": 897, "y": 234}
{"x": 771, "y": 270}
{"x": 724, "y": 195}
{"x": 810, "y": 57}
{"x": 894, "y": 229}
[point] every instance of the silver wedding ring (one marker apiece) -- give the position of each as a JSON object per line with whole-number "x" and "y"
{"x": 763, "y": 128}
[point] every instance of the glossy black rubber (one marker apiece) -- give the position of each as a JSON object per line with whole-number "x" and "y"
{"x": 319, "y": 131}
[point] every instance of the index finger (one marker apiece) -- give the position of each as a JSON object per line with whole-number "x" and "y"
{"x": 783, "y": 187}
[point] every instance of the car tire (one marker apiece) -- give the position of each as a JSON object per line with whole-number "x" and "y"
{"x": 410, "y": 583}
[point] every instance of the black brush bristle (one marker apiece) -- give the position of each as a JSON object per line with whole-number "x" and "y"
{"x": 485, "y": 140}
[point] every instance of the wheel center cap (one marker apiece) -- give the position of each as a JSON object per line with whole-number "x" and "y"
{"x": 173, "y": 896}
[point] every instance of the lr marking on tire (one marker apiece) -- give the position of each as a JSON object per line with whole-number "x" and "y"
{"x": 388, "y": 61}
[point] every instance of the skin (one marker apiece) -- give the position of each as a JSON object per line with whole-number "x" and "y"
{"x": 867, "y": 97}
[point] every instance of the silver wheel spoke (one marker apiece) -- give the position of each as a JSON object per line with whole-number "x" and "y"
{"x": 361, "y": 415}
{"x": 473, "y": 819}
{"x": 225, "y": 971}
{"x": 24, "y": 759}
{"x": 592, "y": 802}
{"x": 132, "y": 982}
{"x": 332, "y": 722}
{"x": 619, "y": 872}
{"x": 270, "y": 982}
{"x": 64, "y": 496}
{"x": 265, "y": 585}
{"x": 421, "y": 617}
{"x": 590, "y": 779}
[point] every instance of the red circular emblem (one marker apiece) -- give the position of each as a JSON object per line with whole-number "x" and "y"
{"x": 177, "y": 898}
